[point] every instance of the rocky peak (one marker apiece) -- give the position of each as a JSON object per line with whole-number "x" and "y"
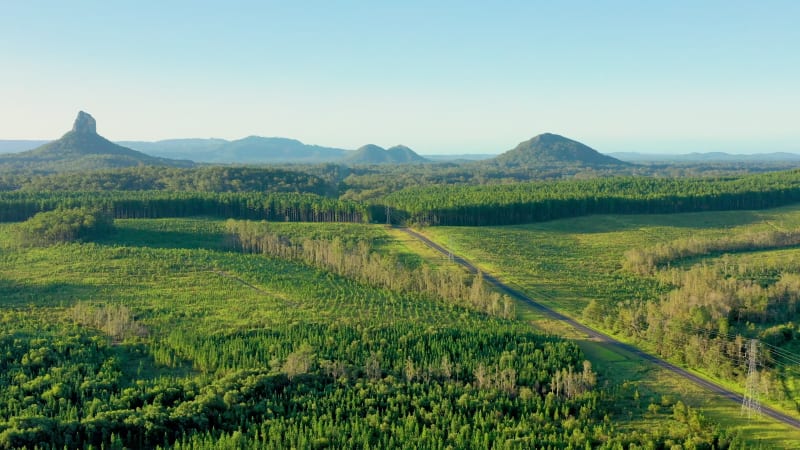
{"x": 85, "y": 123}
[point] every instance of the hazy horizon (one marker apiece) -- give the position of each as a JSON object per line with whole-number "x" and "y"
{"x": 444, "y": 78}
{"x": 435, "y": 153}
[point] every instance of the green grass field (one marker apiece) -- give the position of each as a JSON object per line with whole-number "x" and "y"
{"x": 546, "y": 259}
{"x": 161, "y": 266}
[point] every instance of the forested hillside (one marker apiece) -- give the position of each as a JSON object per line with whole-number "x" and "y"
{"x": 372, "y": 154}
{"x": 552, "y": 150}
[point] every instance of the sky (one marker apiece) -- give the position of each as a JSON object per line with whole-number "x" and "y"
{"x": 442, "y": 77}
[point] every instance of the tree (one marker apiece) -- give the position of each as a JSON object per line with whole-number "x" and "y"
{"x": 372, "y": 367}
{"x": 299, "y": 361}
{"x": 410, "y": 370}
{"x": 64, "y": 225}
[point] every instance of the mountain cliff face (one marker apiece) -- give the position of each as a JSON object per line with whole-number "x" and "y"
{"x": 551, "y": 149}
{"x": 84, "y": 124}
{"x": 82, "y": 149}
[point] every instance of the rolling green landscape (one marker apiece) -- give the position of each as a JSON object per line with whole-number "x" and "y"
{"x": 178, "y": 306}
{"x": 159, "y": 334}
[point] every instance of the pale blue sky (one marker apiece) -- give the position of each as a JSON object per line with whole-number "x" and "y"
{"x": 440, "y": 77}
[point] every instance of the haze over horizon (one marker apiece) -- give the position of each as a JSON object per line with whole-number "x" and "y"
{"x": 454, "y": 77}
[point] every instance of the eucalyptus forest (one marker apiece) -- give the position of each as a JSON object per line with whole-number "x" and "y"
{"x": 284, "y": 307}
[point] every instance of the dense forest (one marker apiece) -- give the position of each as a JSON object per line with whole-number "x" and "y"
{"x": 153, "y": 178}
{"x": 239, "y": 194}
{"x": 370, "y": 183}
{"x": 506, "y": 204}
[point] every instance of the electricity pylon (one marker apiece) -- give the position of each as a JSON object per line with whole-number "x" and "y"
{"x": 750, "y": 402}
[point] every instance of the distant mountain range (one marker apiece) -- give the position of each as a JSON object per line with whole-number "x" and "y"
{"x": 249, "y": 150}
{"x": 82, "y": 149}
{"x": 273, "y": 150}
{"x": 253, "y": 150}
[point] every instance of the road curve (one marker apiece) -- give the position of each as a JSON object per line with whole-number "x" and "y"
{"x": 601, "y": 337}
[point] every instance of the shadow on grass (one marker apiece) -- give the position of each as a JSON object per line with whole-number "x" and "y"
{"x": 54, "y": 293}
{"x": 606, "y": 223}
{"x": 169, "y": 239}
{"x": 137, "y": 363}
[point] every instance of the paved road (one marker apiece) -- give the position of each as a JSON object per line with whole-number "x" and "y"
{"x": 604, "y": 338}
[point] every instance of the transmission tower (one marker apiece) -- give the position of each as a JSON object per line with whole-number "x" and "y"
{"x": 750, "y": 402}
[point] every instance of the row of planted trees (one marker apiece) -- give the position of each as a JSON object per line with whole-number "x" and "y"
{"x": 284, "y": 207}
{"x": 505, "y": 204}
{"x": 454, "y": 204}
{"x": 360, "y": 262}
{"x": 647, "y": 260}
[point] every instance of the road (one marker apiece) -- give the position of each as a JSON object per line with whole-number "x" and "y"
{"x": 603, "y": 338}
